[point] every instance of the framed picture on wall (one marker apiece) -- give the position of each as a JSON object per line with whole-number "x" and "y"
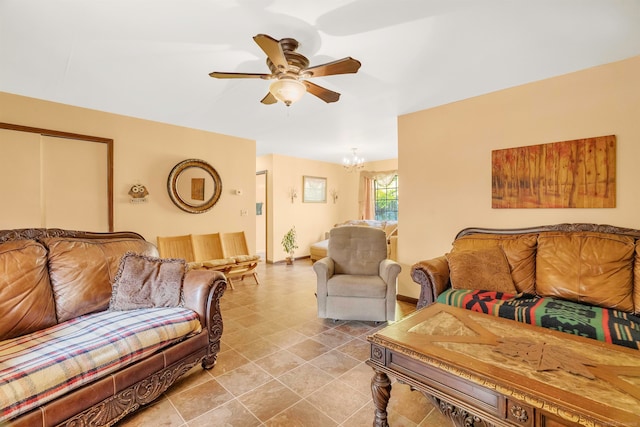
{"x": 314, "y": 189}
{"x": 580, "y": 173}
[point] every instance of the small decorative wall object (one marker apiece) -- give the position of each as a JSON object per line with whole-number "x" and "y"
{"x": 334, "y": 195}
{"x": 569, "y": 174}
{"x": 259, "y": 208}
{"x": 314, "y": 189}
{"x": 138, "y": 193}
{"x": 293, "y": 193}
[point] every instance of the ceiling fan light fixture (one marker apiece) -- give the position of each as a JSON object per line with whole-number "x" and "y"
{"x": 290, "y": 69}
{"x": 287, "y": 90}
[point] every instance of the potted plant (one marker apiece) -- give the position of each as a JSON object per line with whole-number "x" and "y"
{"x": 289, "y": 244}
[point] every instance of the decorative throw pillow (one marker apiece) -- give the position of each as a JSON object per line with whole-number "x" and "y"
{"x": 146, "y": 282}
{"x": 520, "y": 250}
{"x": 482, "y": 269}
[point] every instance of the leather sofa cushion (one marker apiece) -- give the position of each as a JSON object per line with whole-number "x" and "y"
{"x": 82, "y": 271}
{"x": 636, "y": 280}
{"x": 484, "y": 269}
{"x": 587, "y": 267}
{"x": 520, "y": 251}
{"x": 26, "y": 300}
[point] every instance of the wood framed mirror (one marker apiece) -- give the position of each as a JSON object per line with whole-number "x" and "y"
{"x": 194, "y": 186}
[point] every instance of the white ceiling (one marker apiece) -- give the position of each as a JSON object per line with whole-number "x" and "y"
{"x": 151, "y": 58}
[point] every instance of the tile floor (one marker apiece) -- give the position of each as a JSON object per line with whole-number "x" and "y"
{"x": 280, "y": 365}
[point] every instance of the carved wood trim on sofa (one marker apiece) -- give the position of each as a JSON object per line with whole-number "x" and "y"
{"x": 44, "y": 233}
{"x": 111, "y": 410}
{"x": 565, "y": 227}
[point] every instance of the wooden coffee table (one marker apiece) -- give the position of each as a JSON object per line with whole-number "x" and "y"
{"x": 481, "y": 370}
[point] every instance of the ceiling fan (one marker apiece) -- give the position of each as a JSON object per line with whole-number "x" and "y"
{"x": 290, "y": 71}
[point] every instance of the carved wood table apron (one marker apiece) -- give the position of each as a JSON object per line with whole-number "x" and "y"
{"x": 481, "y": 370}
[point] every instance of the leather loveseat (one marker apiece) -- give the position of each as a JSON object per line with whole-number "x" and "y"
{"x": 55, "y": 290}
{"x": 578, "y": 278}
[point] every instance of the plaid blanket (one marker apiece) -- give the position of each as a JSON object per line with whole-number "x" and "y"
{"x": 603, "y": 324}
{"x": 41, "y": 366}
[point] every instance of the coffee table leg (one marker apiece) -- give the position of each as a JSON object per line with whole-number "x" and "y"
{"x": 381, "y": 392}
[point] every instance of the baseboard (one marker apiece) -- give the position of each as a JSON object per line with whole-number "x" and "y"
{"x": 282, "y": 261}
{"x": 405, "y": 298}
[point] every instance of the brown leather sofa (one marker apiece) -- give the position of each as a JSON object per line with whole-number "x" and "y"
{"x": 562, "y": 245}
{"x": 595, "y": 266}
{"x": 85, "y": 263}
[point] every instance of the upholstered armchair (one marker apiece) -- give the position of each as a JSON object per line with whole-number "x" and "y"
{"x": 356, "y": 281}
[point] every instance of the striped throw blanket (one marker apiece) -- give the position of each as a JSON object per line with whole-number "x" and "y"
{"x": 603, "y": 324}
{"x": 41, "y": 366}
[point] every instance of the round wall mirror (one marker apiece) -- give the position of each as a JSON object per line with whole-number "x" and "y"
{"x": 194, "y": 186}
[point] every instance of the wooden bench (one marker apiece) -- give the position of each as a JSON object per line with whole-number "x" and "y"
{"x": 176, "y": 247}
{"x": 225, "y": 252}
{"x": 234, "y": 245}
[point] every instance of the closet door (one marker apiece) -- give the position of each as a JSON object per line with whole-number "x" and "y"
{"x": 54, "y": 182}
{"x": 20, "y": 180}
{"x": 75, "y": 184}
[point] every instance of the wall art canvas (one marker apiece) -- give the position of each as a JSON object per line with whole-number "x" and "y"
{"x": 569, "y": 174}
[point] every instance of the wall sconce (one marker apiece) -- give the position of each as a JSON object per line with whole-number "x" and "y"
{"x": 293, "y": 193}
{"x": 138, "y": 193}
{"x": 334, "y": 195}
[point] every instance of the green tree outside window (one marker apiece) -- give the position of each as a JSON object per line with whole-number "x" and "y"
{"x": 386, "y": 199}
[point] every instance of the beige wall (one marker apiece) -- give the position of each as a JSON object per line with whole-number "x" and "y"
{"x": 311, "y": 220}
{"x": 145, "y": 152}
{"x": 445, "y": 154}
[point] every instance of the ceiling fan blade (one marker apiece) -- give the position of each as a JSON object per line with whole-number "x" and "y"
{"x": 323, "y": 93}
{"x": 272, "y": 48}
{"x": 223, "y": 75}
{"x": 341, "y": 66}
{"x": 269, "y": 99}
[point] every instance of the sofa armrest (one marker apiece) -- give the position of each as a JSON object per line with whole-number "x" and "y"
{"x": 389, "y": 271}
{"x": 202, "y": 292}
{"x": 433, "y": 277}
{"x": 324, "y": 269}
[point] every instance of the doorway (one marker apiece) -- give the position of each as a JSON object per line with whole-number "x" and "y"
{"x": 261, "y": 214}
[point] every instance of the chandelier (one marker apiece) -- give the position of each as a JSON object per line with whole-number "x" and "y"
{"x": 353, "y": 163}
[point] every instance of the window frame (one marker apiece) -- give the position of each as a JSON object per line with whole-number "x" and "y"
{"x": 383, "y": 214}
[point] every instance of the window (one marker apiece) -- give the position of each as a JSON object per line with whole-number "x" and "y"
{"x": 386, "y": 199}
